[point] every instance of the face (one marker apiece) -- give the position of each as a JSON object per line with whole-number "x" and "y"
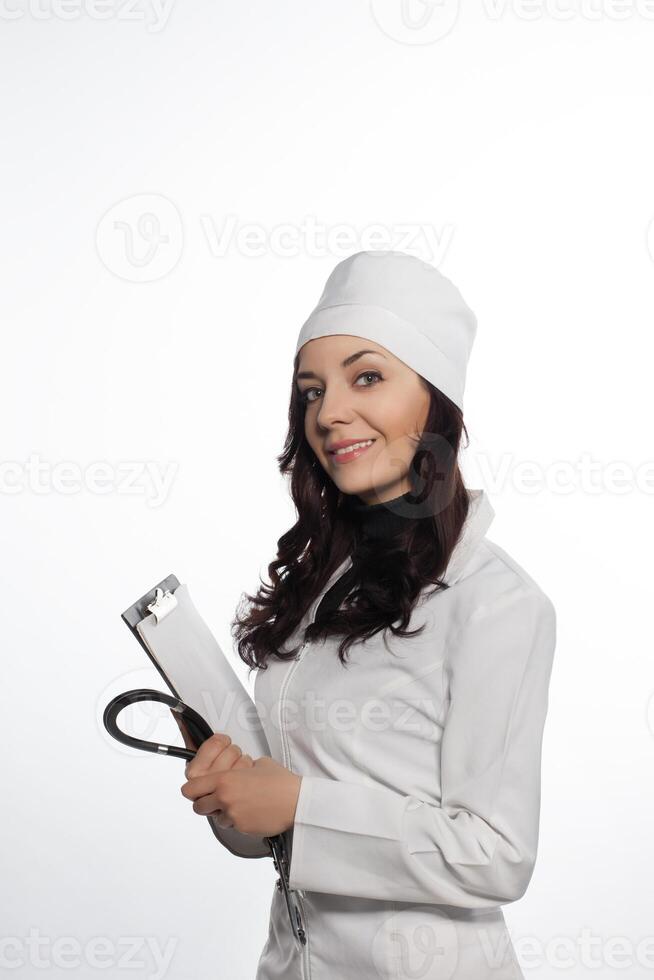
{"x": 353, "y": 396}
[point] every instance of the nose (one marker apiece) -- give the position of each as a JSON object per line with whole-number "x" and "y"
{"x": 334, "y": 406}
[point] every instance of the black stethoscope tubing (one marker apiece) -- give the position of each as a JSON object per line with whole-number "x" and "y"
{"x": 199, "y": 731}
{"x": 195, "y": 724}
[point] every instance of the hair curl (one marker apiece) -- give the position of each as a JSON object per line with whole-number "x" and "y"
{"x": 392, "y": 573}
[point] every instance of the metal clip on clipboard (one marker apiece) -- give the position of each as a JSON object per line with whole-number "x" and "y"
{"x": 192, "y": 665}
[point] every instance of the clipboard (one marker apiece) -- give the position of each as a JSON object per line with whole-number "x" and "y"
{"x": 139, "y": 610}
{"x": 191, "y": 663}
{"x": 187, "y": 656}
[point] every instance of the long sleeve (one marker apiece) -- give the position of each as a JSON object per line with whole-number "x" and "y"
{"x": 477, "y": 849}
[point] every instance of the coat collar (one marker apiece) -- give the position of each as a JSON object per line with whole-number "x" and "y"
{"x": 479, "y": 518}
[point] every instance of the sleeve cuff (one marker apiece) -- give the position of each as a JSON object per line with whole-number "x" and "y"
{"x": 336, "y": 827}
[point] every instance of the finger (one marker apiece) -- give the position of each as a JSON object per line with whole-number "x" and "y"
{"x": 227, "y": 759}
{"x": 212, "y": 747}
{"x": 191, "y": 769}
{"x": 245, "y": 762}
{"x": 198, "y": 786}
{"x": 207, "y": 805}
{"x": 210, "y": 750}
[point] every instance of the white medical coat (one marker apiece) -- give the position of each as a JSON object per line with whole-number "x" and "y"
{"x": 418, "y": 811}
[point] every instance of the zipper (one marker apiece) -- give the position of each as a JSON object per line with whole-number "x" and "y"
{"x": 282, "y": 695}
{"x": 304, "y": 952}
{"x": 294, "y": 666}
{"x": 286, "y": 756}
{"x": 304, "y": 949}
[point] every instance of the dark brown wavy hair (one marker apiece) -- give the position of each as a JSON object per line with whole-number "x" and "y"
{"x": 392, "y": 572}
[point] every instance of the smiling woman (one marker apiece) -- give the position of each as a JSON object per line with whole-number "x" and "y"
{"x": 372, "y": 441}
{"x": 421, "y": 818}
{"x": 406, "y": 434}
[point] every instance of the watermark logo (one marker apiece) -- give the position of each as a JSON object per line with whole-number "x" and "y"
{"x": 415, "y": 944}
{"x": 152, "y": 721}
{"x": 415, "y": 21}
{"x": 141, "y": 238}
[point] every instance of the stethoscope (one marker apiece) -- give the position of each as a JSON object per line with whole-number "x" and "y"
{"x": 199, "y": 731}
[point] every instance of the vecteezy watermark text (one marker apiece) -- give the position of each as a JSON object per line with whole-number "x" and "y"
{"x": 418, "y": 22}
{"x": 142, "y": 238}
{"x": 154, "y": 13}
{"x": 148, "y": 478}
{"x": 98, "y": 953}
{"x": 316, "y": 239}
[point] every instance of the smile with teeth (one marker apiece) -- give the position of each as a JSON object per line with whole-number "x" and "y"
{"x": 351, "y": 452}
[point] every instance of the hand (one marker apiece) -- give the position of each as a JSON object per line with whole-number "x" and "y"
{"x": 217, "y": 754}
{"x": 260, "y": 799}
{"x": 212, "y": 754}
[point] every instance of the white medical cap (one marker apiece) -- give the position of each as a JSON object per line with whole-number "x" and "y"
{"x": 404, "y": 304}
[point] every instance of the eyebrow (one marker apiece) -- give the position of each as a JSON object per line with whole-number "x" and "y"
{"x": 346, "y": 363}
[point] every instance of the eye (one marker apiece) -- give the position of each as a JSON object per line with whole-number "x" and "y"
{"x": 366, "y": 374}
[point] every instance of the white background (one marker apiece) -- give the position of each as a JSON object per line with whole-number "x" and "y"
{"x": 512, "y": 146}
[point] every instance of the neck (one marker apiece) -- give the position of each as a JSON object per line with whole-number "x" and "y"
{"x": 384, "y": 519}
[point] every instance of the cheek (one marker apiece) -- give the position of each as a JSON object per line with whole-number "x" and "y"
{"x": 396, "y": 418}
{"x": 312, "y": 439}
{"x": 400, "y": 423}
{"x": 412, "y": 412}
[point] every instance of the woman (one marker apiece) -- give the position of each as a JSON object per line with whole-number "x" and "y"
{"x": 403, "y": 659}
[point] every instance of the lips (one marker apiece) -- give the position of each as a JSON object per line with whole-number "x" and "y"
{"x": 347, "y": 442}
{"x": 354, "y": 453}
